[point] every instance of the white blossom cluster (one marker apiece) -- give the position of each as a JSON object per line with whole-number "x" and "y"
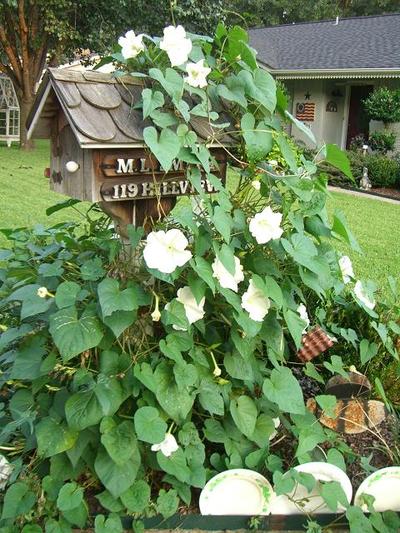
{"x": 360, "y": 292}
{"x": 177, "y": 46}
{"x": 5, "y": 471}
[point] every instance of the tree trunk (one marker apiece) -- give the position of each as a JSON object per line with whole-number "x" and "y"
{"x": 25, "y": 104}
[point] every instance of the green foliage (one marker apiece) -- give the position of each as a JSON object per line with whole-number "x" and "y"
{"x": 383, "y": 104}
{"x": 383, "y": 171}
{"x": 382, "y": 141}
{"x": 136, "y": 384}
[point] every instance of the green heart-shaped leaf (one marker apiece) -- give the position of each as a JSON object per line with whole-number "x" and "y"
{"x": 165, "y": 147}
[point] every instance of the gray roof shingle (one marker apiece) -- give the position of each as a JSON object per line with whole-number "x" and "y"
{"x": 358, "y": 42}
{"x": 99, "y": 108}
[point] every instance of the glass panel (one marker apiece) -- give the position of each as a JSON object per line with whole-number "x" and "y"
{"x": 3, "y": 123}
{"x": 14, "y": 122}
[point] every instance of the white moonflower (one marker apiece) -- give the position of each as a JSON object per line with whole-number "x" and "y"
{"x": 277, "y": 423}
{"x": 194, "y": 311}
{"x": 217, "y": 371}
{"x": 256, "y": 185}
{"x": 346, "y": 268}
{"x": 167, "y": 447}
{"x": 156, "y": 315}
{"x": 176, "y": 44}
{"x": 197, "y": 74}
{"x": 255, "y": 303}
{"x": 302, "y": 310}
{"x": 266, "y": 226}
{"x": 42, "y": 292}
{"x": 5, "y": 471}
{"x": 131, "y": 44}
{"x": 165, "y": 251}
{"x": 363, "y": 296}
{"x": 225, "y": 278}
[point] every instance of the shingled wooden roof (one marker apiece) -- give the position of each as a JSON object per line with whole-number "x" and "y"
{"x": 98, "y": 107}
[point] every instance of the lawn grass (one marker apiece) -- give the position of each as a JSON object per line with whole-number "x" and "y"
{"x": 376, "y": 225}
{"x": 24, "y": 191}
{"x": 25, "y": 195}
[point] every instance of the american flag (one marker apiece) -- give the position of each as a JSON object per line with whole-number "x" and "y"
{"x": 305, "y": 111}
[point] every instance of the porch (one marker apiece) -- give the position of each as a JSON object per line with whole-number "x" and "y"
{"x": 332, "y": 105}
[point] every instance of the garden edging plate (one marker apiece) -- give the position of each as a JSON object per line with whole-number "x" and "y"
{"x": 236, "y": 492}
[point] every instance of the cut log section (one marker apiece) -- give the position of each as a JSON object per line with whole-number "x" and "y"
{"x": 351, "y": 416}
{"x": 355, "y": 386}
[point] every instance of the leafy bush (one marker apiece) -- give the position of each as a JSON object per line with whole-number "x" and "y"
{"x": 357, "y": 142}
{"x": 383, "y": 104}
{"x": 131, "y": 375}
{"x": 383, "y": 171}
{"x": 382, "y": 141}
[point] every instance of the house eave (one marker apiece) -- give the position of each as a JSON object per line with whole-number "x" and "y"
{"x": 354, "y": 73}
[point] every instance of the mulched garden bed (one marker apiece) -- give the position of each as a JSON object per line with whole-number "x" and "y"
{"x": 383, "y": 192}
{"x": 387, "y": 192}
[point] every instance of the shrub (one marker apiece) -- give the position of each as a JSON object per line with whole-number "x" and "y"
{"x": 382, "y": 141}
{"x": 383, "y": 104}
{"x": 357, "y": 142}
{"x": 382, "y": 171}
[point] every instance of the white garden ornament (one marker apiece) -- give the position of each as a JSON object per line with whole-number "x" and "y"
{"x": 131, "y": 44}
{"x": 266, "y": 226}
{"x": 255, "y": 302}
{"x": 166, "y": 250}
{"x": 167, "y": 447}
{"x": 346, "y": 268}
{"x": 194, "y": 311}
{"x": 225, "y": 278}
{"x": 197, "y": 74}
{"x": 5, "y": 471}
{"x": 362, "y": 295}
{"x": 176, "y": 44}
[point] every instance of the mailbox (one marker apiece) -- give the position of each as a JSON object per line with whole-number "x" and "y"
{"x": 97, "y": 148}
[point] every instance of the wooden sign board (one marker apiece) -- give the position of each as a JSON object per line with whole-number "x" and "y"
{"x": 135, "y": 175}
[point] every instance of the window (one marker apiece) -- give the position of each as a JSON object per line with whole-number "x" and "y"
{"x": 13, "y": 128}
{"x": 3, "y": 122}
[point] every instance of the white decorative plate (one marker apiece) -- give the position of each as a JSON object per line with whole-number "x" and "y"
{"x": 384, "y": 485}
{"x": 312, "y": 502}
{"x": 236, "y": 492}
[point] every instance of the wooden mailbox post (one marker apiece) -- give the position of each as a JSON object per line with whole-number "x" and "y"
{"x": 97, "y": 148}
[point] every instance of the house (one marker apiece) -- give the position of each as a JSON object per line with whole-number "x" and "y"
{"x": 9, "y": 111}
{"x": 329, "y": 67}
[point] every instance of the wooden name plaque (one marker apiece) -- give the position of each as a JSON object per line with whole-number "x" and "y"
{"x": 136, "y": 175}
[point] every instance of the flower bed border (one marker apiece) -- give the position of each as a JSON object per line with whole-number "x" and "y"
{"x": 366, "y": 192}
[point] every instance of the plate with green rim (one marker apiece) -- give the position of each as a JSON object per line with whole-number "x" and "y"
{"x": 384, "y": 486}
{"x": 300, "y": 500}
{"x": 236, "y": 492}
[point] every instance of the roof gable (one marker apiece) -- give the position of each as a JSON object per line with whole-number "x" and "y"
{"x": 353, "y": 43}
{"x": 99, "y": 108}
